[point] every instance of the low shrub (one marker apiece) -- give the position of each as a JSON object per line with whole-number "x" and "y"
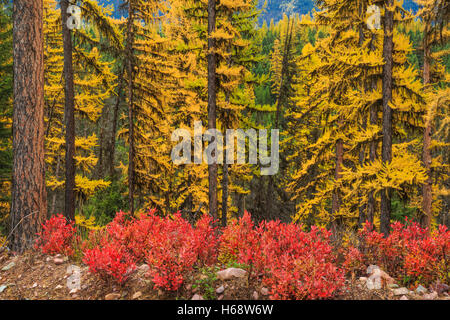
{"x": 57, "y": 236}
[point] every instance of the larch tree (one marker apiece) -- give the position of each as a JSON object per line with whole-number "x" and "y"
{"x": 29, "y": 197}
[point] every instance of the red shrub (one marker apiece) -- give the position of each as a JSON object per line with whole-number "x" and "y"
{"x": 294, "y": 264}
{"x": 57, "y": 236}
{"x": 407, "y": 253}
{"x": 109, "y": 262}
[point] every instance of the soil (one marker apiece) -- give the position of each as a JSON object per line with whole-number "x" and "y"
{"x": 36, "y": 276}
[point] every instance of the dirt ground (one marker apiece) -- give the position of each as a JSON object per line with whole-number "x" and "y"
{"x": 35, "y": 276}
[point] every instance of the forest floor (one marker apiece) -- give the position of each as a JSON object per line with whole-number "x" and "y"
{"x": 36, "y": 276}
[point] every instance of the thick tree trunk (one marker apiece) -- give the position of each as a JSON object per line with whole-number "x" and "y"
{"x": 212, "y": 90}
{"x": 388, "y": 48}
{"x": 130, "y": 39}
{"x": 69, "y": 115}
{"x": 29, "y": 197}
{"x": 426, "y": 155}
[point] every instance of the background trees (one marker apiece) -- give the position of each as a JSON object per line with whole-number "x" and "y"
{"x": 362, "y": 112}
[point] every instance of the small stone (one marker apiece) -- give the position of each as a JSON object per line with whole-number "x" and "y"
{"x": 34, "y": 285}
{"x": 197, "y": 297}
{"x": 220, "y": 297}
{"x": 58, "y": 261}
{"x": 2, "y": 288}
{"x": 112, "y": 296}
{"x": 73, "y": 291}
{"x": 137, "y": 295}
{"x": 229, "y": 273}
{"x": 363, "y": 279}
{"x": 372, "y": 268}
{"x": 264, "y": 291}
{"x": 401, "y": 291}
{"x": 404, "y": 298}
{"x": 255, "y": 295}
{"x": 48, "y": 259}
{"x": 431, "y": 296}
{"x": 393, "y": 286}
{"x": 58, "y": 287}
{"x": 421, "y": 290}
{"x": 8, "y": 266}
{"x": 220, "y": 290}
{"x": 143, "y": 268}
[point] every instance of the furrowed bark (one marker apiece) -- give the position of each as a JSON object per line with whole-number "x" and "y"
{"x": 29, "y": 196}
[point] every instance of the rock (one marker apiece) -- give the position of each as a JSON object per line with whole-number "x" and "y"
{"x": 9, "y": 266}
{"x": 401, "y": 291}
{"x": 2, "y": 288}
{"x": 58, "y": 256}
{"x": 48, "y": 259}
{"x": 112, "y": 296}
{"x": 220, "y": 290}
{"x": 73, "y": 291}
{"x": 378, "y": 278}
{"x": 255, "y": 295}
{"x": 220, "y": 297}
{"x": 372, "y": 268}
{"x": 137, "y": 295}
{"x": 143, "y": 268}
{"x": 197, "y": 297}
{"x": 404, "y": 298}
{"x": 74, "y": 280}
{"x": 373, "y": 283}
{"x": 421, "y": 290}
{"x": 393, "y": 286}
{"x": 58, "y": 287}
{"x": 431, "y": 296}
{"x": 264, "y": 291}
{"x": 441, "y": 288}
{"x": 363, "y": 279}
{"x": 58, "y": 261}
{"x": 34, "y": 285}
{"x": 229, "y": 273}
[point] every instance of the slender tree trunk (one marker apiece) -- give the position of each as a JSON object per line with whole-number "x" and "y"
{"x": 388, "y": 48}
{"x": 130, "y": 39}
{"x": 212, "y": 90}
{"x": 373, "y": 114}
{"x": 29, "y": 196}
{"x": 426, "y": 156}
{"x": 69, "y": 115}
{"x": 112, "y": 147}
{"x": 225, "y": 195}
{"x": 336, "y": 201}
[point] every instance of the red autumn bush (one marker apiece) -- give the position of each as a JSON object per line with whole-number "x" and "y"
{"x": 294, "y": 264}
{"x": 109, "y": 262}
{"x": 170, "y": 246}
{"x": 408, "y": 253}
{"x": 56, "y": 236}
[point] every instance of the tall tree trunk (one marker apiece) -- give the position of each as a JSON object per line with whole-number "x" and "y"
{"x": 112, "y": 144}
{"x": 29, "y": 196}
{"x": 336, "y": 201}
{"x": 373, "y": 114}
{"x": 212, "y": 91}
{"x": 130, "y": 39}
{"x": 388, "y": 48}
{"x": 69, "y": 115}
{"x": 225, "y": 195}
{"x": 426, "y": 155}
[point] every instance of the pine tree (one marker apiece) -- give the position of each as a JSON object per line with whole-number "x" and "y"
{"x": 29, "y": 199}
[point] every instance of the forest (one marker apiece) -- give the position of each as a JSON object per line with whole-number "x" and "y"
{"x": 91, "y": 93}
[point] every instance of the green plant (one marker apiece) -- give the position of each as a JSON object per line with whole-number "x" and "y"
{"x": 206, "y": 282}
